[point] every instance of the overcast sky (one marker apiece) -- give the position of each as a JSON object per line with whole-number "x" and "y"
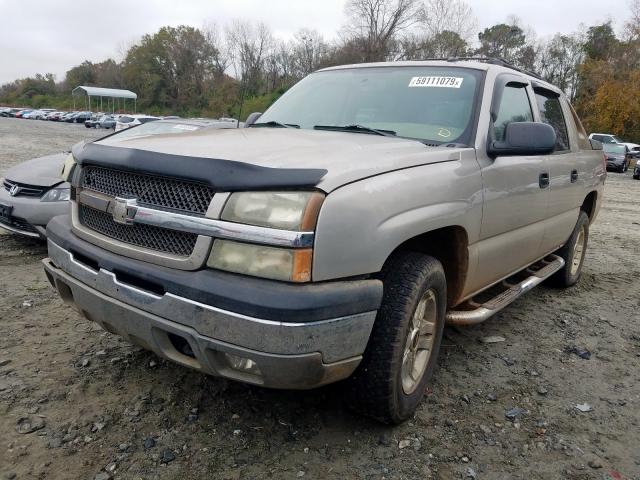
{"x": 39, "y": 36}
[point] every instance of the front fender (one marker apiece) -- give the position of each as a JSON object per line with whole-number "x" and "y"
{"x": 362, "y": 223}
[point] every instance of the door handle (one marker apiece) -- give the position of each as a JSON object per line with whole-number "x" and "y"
{"x": 574, "y": 176}
{"x": 543, "y": 180}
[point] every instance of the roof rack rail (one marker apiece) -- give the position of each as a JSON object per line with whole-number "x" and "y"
{"x": 496, "y": 61}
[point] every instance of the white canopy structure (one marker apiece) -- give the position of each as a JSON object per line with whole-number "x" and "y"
{"x": 115, "y": 97}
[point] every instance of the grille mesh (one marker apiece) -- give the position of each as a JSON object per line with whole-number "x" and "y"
{"x": 146, "y": 236}
{"x": 166, "y": 193}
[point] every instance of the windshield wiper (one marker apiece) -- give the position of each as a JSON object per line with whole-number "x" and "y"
{"x": 356, "y": 128}
{"x": 275, "y": 124}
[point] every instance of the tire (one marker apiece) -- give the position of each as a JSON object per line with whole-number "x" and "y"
{"x": 636, "y": 177}
{"x": 377, "y": 389}
{"x": 570, "y": 273}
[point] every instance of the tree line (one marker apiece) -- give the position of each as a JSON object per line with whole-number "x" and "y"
{"x": 208, "y": 71}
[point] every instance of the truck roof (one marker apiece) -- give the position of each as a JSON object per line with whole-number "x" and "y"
{"x": 478, "y": 63}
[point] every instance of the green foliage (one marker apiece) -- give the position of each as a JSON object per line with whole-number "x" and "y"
{"x": 601, "y": 43}
{"x": 501, "y": 41}
{"x": 257, "y": 104}
{"x": 83, "y": 74}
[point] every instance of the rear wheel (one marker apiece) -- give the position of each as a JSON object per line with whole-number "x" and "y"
{"x": 403, "y": 347}
{"x": 573, "y": 253}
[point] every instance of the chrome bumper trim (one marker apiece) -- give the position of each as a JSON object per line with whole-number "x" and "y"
{"x": 335, "y": 339}
{"x": 208, "y": 355}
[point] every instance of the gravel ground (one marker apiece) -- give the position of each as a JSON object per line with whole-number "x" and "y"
{"x": 100, "y": 408}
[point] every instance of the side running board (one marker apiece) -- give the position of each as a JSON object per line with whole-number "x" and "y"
{"x": 478, "y": 309}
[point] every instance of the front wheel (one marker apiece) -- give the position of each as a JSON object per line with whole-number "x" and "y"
{"x": 404, "y": 344}
{"x": 573, "y": 253}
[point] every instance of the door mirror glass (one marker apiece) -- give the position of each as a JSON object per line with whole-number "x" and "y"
{"x": 525, "y": 138}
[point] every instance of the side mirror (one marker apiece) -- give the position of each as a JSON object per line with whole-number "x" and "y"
{"x": 525, "y": 138}
{"x": 252, "y": 118}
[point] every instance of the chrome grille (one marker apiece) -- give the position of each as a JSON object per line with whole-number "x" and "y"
{"x": 155, "y": 191}
{"x": 145, "y": 236}
{"x": 23, "y": 189}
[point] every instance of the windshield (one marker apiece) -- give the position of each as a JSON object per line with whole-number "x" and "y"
{"x": 155, "y": 128}
{"x": 614, "y": 148}
{"x": 431, "y": 104}
{"x": 617, "y": 139}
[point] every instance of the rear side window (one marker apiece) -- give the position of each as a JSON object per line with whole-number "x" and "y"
{"x": 514, "y": 107}
{"x": 583, "y": 139}
{"x": 551, "y": 114}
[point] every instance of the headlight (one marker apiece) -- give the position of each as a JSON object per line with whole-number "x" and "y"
{"x": 296, "y": 211}
{"x": 290, "y": 265}
{"x": 67, "y": 168}
{"x": 57, "y": 195}
{"x": 292, "y": 211}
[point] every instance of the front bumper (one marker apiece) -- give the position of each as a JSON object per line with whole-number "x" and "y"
{"x": 615, "y": 163}
{"x": 288, "y": 354}
{"x": 31, "y": 214}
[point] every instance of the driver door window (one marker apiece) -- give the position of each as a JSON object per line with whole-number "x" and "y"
{"x": 514, "y": 107}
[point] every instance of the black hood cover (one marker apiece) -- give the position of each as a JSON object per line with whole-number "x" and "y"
{"x": 221, "y": 175}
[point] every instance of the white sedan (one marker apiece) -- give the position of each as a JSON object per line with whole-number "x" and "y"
{"x": 127, "y": 121}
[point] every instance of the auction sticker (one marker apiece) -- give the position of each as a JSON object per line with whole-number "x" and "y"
{"x": 436, "y": 82}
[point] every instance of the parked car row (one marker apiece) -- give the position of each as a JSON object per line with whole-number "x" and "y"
{"x": 46, "y": 114}
{"x": 90, "y": 119}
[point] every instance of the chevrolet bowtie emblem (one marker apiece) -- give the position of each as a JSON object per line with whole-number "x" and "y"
{"x": 124, "y": 209}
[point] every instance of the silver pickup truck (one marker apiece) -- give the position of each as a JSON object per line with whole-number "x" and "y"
{"x": 335, "y": 237}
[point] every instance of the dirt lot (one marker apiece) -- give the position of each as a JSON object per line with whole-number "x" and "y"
{"x": 100, "y": 405}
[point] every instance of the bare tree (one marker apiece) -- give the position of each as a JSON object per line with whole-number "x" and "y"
{"x": 559, "y": 60}
{"x": 632, "y": 26}
{"x": 376, "y": 24}
{"x": 249, "y": 45}
{"x": 308, "y": 51}
{"x": 449, "y": 15}
{"x": 213, "y": 37}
